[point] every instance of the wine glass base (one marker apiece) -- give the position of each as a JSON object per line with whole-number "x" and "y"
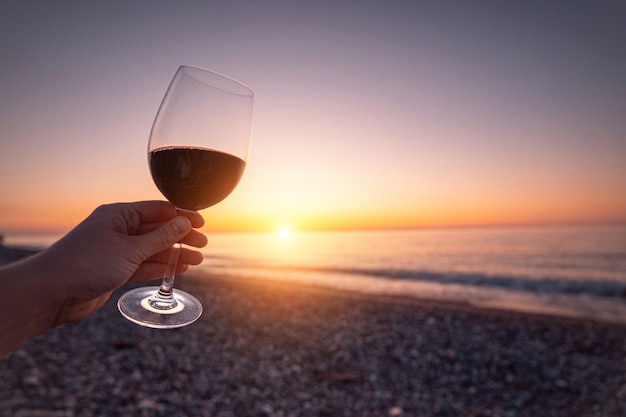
{"x": 137, "y": 307}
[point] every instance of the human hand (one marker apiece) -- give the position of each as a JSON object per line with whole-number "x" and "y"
{"x": 116, "y": 244}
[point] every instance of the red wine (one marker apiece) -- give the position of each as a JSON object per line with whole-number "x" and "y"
{"x": 195, "y": 178}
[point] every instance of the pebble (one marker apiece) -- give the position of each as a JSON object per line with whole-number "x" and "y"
{"x": 277, "y": 349}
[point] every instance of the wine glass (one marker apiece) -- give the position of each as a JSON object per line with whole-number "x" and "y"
{"x": 197, "y": 153}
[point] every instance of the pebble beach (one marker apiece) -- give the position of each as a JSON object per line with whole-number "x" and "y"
{"x": 270, "y": 348}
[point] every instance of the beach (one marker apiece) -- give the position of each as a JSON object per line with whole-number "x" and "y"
{"x": 271, "y": 348}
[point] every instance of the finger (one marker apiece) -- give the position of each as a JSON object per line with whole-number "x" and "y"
{"x": 163, "y": 237}
{"x": 190, "y": 257}
{"x": 153, "y": 211}
{"x": 186, "y": 256}
{"x": 195, "y": 239}
{"x": 148, "y": 227}
{"x": 194, "y": 217}
{"x": 196, "y": 221}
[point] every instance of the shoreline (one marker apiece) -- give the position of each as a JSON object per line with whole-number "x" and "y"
{"x": 194, "y": 280}
{"x": 575, "y": 307}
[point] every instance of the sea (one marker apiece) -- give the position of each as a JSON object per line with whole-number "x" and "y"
{"x": 571, "y": 271}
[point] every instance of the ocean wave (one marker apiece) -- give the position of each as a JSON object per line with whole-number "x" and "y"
{"x": 542, "y": 285}
{"x": 597, "y": 288}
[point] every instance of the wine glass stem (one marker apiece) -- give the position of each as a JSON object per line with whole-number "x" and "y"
{"x": 166, "y": 290}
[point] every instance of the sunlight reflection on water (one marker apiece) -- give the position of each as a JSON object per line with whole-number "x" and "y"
{"x": 573, "y": 271}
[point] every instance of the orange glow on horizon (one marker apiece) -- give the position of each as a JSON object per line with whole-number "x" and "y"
{"x": 469, "y": 217}
{"x": 61, "y": 218}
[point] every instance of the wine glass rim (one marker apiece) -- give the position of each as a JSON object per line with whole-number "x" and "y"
{"x": 192, "y": 71}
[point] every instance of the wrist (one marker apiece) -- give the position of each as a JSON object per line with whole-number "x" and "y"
{"x": 31, "y": 305}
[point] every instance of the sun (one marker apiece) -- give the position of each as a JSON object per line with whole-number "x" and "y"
{"x": 284, "y": 232}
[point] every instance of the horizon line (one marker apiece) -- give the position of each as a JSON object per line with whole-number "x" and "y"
{"x": 616, "y": 222}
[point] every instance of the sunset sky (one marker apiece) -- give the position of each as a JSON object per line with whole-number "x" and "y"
{"x": 367, "y": 114}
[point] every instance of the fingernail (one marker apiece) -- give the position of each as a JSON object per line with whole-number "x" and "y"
{"x": 180, "y": 224}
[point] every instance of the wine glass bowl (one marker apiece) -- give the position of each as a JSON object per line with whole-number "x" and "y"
{"x": 194, "y": 178}
{"x": 197, "y": 154}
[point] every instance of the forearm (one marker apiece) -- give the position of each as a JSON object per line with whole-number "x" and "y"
{"x": 29, "y": 305}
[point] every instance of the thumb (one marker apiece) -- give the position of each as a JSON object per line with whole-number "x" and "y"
{"x": 164, "y": 237}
